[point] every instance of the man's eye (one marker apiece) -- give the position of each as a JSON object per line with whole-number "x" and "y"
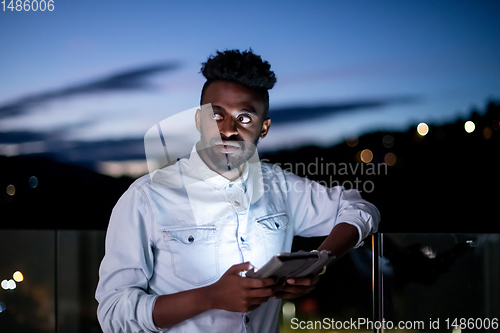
{"x": 216, "y": 116}
{"x": 244, "y": 119}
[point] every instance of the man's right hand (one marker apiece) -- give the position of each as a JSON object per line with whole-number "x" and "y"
{"x": 232, "y": 292}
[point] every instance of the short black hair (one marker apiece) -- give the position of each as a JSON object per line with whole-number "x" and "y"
{"x": 245, "y": 68}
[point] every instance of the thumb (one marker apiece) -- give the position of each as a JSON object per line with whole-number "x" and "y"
{"x": 236, "y": 269}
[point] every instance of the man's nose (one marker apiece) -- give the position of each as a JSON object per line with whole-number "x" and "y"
{"x": 227, "y": 127}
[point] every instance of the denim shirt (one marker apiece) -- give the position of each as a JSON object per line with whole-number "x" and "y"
{"x": 183, "y": 226}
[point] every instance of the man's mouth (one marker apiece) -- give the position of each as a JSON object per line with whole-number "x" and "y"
{"x": 227, "y": 147}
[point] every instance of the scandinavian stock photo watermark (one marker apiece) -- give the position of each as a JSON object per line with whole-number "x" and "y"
{"x": 357, "y": 174}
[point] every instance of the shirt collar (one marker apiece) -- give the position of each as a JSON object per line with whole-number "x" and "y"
{"x": 214, "y": 179}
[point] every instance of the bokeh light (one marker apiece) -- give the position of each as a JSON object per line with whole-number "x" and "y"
{"x": 11, "y": 190}
{"x": 366, "y": 155}
{"x": 18, "y": 276}
{"x": 388, "y": 141}
{"x": 469, "y": 126}
{"x": 352, "y": 141}
{"x": 308, "y": 306}
{"x": 33, "y": 181}
{"x": 8, "y": 284}
{"x": 487, "y": 133}
{"x": 390, "y": 159}
{"x": 5, "y": 284}
{"x": 288, "y": 310}
{"x": 422, "y": 129}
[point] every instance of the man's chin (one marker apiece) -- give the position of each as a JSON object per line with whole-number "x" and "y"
{"x": 225, "y": 165}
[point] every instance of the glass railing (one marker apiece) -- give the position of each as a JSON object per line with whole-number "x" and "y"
{"x": 401, "y": 282}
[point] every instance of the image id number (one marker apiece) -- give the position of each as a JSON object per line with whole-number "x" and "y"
{"x": 28, "y": 5}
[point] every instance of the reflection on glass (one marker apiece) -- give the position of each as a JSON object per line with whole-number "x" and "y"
{"x": 27, "y": 306}
{"x": 433, "y": 278}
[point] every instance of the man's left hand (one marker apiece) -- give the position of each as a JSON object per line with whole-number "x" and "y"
{"x": 296, "y": 287}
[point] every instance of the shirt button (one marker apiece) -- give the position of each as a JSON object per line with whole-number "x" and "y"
{"x": 230, "y": 185}
{"x": 242, "y": 239}
{"x": 236, "y": 203}
{"x": 247, "y": 320}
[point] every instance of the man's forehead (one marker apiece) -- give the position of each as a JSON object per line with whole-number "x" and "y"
{"x": 226, "y": 94}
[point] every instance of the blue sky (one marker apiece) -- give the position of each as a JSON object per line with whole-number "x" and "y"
{"x": 432, "y": 60}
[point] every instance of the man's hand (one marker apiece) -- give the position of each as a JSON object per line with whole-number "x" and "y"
{"x": 240, "y": 294}
{"x": 296, "y": 287}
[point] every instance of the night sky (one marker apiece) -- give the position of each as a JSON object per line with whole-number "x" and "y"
{"x": 97, "y": 71}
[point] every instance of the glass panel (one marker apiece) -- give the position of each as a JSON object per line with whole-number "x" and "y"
{"x": 432, "y": 279}
{"x": 343, "y": 292}
{"x": 79, "y": 256}
{"x": 28, "y": 304}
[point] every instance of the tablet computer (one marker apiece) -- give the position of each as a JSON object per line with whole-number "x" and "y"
{"x": 296, "y": 264}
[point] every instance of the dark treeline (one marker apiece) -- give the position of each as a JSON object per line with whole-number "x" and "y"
{"x": 445, "y": 181}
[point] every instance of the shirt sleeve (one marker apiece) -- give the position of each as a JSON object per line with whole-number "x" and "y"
{"x": 316, "y": 209}
{"x": 124, "y": 304}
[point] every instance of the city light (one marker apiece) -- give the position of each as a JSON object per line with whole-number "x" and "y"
{"x": 288, "y": 310}
{"x": 18, "y": 276}
{"x": 422, "y": 129}
{"x": 388, "y": 141}
{"x": 33, "y": 181}
{"x": 390, "y": 159}
{"x": 487, "y": 133}
{"x": 10, "y": 284}
{"x": 469, "y": 126}
{"x": 352, "y": 141}
{"x": 366, "y": 155}
{"x": 11, "y": 190}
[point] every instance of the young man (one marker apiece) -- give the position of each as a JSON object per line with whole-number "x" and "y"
{"x": 175, "y": 255}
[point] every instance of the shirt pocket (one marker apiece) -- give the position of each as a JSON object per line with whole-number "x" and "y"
{"x": 193, "y": 253}
{"x": 273, "y": 232}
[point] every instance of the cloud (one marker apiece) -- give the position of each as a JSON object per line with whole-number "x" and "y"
{"x": 52, "y": 143}
{"x": 21, "y": 137}
{"x": 293, "y": 114}
{"x": 134, "y": 79}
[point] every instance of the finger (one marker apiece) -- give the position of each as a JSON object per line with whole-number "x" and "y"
{"x": 261, "y": 292}
{"x": 301, "y": 281}
{"x": 261, "y": 283}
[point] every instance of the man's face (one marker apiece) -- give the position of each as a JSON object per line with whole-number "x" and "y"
{"x": 238, "y": 112}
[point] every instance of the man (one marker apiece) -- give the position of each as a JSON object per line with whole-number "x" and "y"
{"x": 181, "y": 238}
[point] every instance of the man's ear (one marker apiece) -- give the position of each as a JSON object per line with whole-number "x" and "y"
{"x": 197, "y": 119}
{"x": 265, "y": 128}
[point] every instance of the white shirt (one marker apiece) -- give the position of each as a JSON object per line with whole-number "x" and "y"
{"x": 182, "y": 227}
